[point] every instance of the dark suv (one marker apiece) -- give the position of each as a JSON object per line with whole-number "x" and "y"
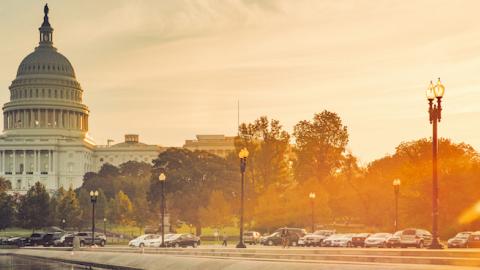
{"x": 35, "y": 239}
{"x": 275, "y": 239}
{"x": 50, "y": 238}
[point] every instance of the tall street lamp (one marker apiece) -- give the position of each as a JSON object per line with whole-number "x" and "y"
{"x": 435, "y": 114}
{"x": 63, "y": 224}
{"x": 396, "y": 190}
{"x": 243, "y": 165}
{"x": 105, "y": 226}
{"x": 162, "y": 179}
{"x": 312, "y": 201}
{"x": 93, "y": 199}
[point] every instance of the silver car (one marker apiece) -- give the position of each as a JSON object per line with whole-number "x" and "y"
{"x": 377, "y": 240}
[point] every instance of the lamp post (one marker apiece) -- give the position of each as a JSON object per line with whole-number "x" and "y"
{"x": 435, "y": 115}
{"x": 396, "y": 189}
{"x": 93, "y": 199}
{"x": 312, "y": 201}
{"x": 162, "y": 179}
{"x": 105, "y": 226}
{"x": 243, "y": 165}
{"x": 63, "y": 224}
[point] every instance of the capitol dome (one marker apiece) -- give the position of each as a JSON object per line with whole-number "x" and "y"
{"x": 45, "y": 60}
{"x": 45, "y": 97}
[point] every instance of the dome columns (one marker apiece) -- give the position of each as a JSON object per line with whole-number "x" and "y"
{"x": 45, "y": 118}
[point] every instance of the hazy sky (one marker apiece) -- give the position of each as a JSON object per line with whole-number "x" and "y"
{"x": 171, "y": 69}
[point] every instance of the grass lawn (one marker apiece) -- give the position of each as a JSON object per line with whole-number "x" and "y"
{"x": 16, "y": 232}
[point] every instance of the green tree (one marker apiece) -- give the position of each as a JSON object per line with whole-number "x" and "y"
{"x": 320, "y": 145}
{"x": 68, "y": 209}
{"x": 268, "y": 145}
{"x": 120, "y": 209}
{"x": 124, "y": 208}
{"x": 5, "y": 184}
{"x": 85, "y": 207}
{"x": 34, "y": 209}
{"x": 7, "y": 210}
{"x": 191, "y": 176}
{"x": 218, "y": 212}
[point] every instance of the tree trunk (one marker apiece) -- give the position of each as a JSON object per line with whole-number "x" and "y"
{"x": 198, "y": 229}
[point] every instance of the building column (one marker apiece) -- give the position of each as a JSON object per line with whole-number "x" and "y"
{"x": 34, "y": 162}
{"x": 24, "y": 162}
{"x": 54, "y": 122}
{"x": 14, "y": 161}
{"x": 60, "y": 119}
{"x": 3, "y": 162}
{"x": 67, "y": 118}
{"x": 49, "y": 161}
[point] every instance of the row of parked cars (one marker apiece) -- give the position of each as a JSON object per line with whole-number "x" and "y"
{"x": 171, "y": 240}
{"x": 410, "y": 237}
{"x": 57, "y": 239}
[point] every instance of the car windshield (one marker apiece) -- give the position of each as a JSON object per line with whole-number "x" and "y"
{"x": 175, "y": 236}
{"x": 248, "y": 234}
{"x": 141, "y": 237}
{"x": 462, "y": 235}
{"x": 398, "y": 233}
{"x": 35, "y": 235}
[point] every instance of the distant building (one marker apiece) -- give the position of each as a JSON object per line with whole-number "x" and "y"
{"x": 130, "y": 149}
{"x": 219, "y": 145}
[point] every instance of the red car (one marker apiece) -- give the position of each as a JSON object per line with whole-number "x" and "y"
{"x": 474, "y": 240}
{"x": 359, "y": 239}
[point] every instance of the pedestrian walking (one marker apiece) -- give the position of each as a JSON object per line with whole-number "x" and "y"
{"x": 225, "y": 238}
{"x": 284, "y": 236}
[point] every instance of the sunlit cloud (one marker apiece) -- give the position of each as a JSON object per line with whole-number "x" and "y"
{"x": 368, "y": 61}
{"x": 471, "y": 214}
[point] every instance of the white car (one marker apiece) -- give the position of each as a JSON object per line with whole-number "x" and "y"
{"x": 315, "y": 239}
{"x": 342, "y": 240}
{"x": 157, "y": 241}
{"x": 146, "y": 240}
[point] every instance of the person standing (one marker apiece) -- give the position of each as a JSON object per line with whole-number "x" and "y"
{"x": 225, "y": 238}
{"x": 284, "y": 235}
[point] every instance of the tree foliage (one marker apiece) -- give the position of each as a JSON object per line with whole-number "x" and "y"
{"x": 7, "y": 210}
{"x": 218, "y": 212}
{"x": 34, "y": 209}
{"x": 191, "y": 176}
{"x": 320, "y": 145}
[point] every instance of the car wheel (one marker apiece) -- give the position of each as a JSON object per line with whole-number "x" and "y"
{"x": 142, "y": 245}
{"x": 349, "y": 244}
{"x": 194, "y": 244}
{"x": 102, "y": 243}
{"x": 82, "y": 243}
{"x": 294, "y": 244}
{"x": 420, "y": 245}
{"x": 270, "y": 242}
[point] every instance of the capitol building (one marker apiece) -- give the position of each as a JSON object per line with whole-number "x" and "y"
{"x": 45, "y": 126}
